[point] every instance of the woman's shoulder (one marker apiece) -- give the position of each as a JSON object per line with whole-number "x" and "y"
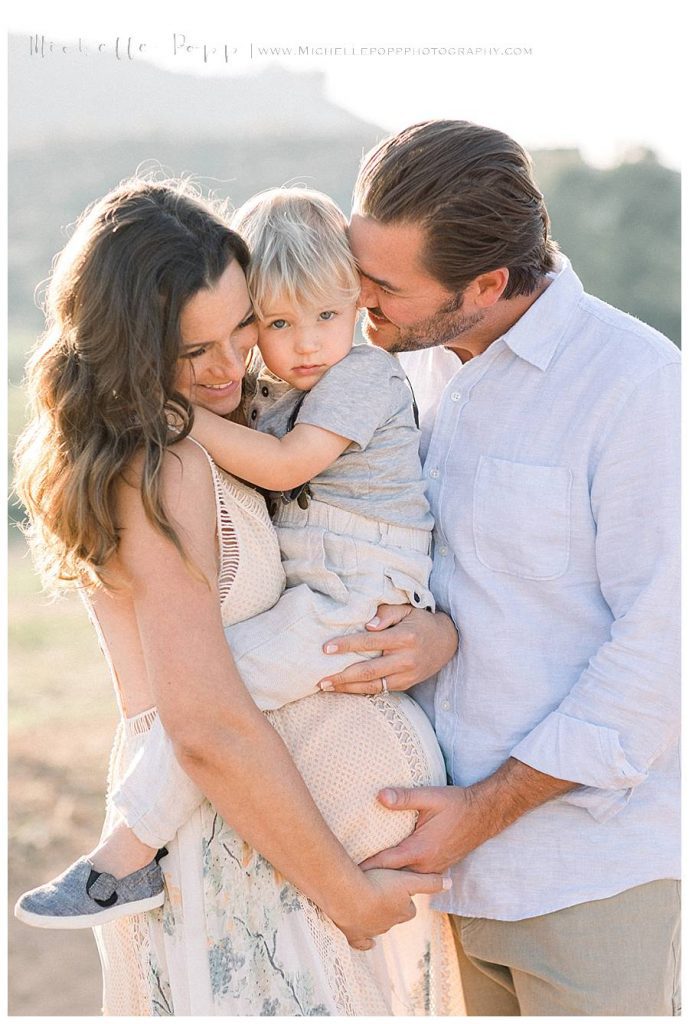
{"x": 159, "y": 538}
{"x": 203, "y": 473}
{"x": 186, "y": 484}
{"x": 181, "y": 461}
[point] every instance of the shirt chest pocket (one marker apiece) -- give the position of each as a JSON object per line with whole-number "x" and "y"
{"x": 522, "y": 518}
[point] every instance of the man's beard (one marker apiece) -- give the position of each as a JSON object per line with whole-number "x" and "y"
{"x": 446, "y": 324}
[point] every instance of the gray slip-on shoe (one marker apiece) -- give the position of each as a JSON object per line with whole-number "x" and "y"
{"x": 81, "y": 897}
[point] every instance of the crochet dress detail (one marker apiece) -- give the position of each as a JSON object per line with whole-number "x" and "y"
{"x": 233, "y": 936}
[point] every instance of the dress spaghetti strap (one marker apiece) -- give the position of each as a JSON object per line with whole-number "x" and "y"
{"x": 228, "y": 546}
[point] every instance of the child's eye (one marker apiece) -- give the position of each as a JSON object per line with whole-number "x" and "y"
{"x": 328, "y": 314}
{"x": 279, "y": 324}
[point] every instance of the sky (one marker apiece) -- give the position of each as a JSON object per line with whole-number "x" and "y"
{"x": 602, "y": 76}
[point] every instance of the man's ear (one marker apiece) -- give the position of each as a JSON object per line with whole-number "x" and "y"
{"x": 486, "y": 289}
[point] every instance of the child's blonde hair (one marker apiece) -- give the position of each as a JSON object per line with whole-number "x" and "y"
{"x": 299, "y": 249}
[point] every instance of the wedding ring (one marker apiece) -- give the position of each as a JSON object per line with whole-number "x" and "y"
{"x": 384, "y": 685}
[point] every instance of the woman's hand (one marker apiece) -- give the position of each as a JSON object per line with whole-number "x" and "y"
{"x": 388, "y": 902}
{"x": 415, "y": 645}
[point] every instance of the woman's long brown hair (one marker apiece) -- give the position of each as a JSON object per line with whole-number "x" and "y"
{"x": 101, "y": 381}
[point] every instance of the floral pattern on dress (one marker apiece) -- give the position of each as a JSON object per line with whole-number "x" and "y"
{"x": 161, "y": 996}
{"x": 245, "y": 950}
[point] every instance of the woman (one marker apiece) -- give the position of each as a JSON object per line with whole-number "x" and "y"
{"x": 169, "y": 550}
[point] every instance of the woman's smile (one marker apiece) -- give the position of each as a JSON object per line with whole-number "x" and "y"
{"x": 218, "y": 331}
{"x": 220, "y": 389}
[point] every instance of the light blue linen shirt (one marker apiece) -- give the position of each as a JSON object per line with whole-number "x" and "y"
{"x": 552, "y": 464}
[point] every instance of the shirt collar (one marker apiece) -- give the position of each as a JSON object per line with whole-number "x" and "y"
{"x": 538, "y": 332}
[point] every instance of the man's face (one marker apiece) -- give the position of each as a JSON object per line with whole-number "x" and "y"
{"x": 407, "y": 309}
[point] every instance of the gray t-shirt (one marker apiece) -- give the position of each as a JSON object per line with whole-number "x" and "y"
{"x": 366, "y": 398}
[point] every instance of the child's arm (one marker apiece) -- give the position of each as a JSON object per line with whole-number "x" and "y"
{"x": 274, "y": 463}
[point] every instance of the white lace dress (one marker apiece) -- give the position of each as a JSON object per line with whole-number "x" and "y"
{"x": 234, "y": 937}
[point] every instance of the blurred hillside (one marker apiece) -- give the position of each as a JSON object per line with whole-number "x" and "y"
{"x": 621, "y": 229}
{"x": 72, "y": 96}
{"x": 78, "y": 125}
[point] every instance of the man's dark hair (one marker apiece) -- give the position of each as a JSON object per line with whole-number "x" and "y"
{"x": 472, "y": 189}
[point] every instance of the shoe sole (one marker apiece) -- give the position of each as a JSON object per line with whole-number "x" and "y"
{"x": 89, "y": 920}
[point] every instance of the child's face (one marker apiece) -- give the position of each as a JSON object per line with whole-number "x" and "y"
{"x": 299, "y": 343}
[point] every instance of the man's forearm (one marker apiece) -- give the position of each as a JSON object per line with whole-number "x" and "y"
{"x": 511, "y": 791}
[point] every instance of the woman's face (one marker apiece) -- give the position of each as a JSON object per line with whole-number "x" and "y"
{"x": 218, "y": 330}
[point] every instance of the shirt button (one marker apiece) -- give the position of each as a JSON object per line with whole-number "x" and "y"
{"x": 445, "y": 705}
{"x": 254, "y": 413}
{"x": 442, "y": 551}
{"x": 264, "y": 391}
{"x": 434, "y": 474}
{"x": 456, "y": 395}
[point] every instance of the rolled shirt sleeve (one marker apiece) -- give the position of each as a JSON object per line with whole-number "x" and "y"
{"x": 623, "y": 711}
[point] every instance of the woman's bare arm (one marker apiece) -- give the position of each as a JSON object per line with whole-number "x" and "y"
{"x": 221, "y": 738}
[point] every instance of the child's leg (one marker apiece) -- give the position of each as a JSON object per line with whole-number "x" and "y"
{"x": 282, "y": 662}
{"x": 279, "y": 654}
{"x": 335, "y": 584}
{"x": 156, "y": 796}
{"x": 122, "y": 874}
{"x": 120, "y": 852}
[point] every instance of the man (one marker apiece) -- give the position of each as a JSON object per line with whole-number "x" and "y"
{"x": 550, "y": 433}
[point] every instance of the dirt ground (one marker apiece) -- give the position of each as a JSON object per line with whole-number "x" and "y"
{"x": 56, "y": 816}
{"x": 61, "y": 721}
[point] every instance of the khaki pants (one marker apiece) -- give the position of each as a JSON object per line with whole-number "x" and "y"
{"x": 612, "y": 957}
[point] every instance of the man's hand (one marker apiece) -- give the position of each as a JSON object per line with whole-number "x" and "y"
{"x": 415, "y": 645}
{"x": 451, "y": 823}
{"x": 454, "y": 820}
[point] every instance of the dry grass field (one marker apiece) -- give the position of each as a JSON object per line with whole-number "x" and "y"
{"x": 62, "y": 717}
